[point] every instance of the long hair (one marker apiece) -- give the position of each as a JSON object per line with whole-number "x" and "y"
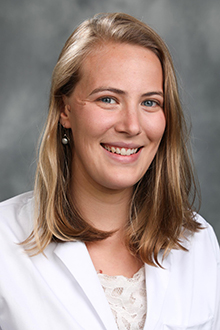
{"x": 161, "y": 210}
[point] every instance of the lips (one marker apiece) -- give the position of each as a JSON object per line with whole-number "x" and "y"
{"x": 120, "y": 151}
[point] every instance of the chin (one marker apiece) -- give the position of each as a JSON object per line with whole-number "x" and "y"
{"x": 121, "y": 184}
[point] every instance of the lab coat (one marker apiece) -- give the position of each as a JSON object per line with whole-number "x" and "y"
{"x": 61, "y": 290}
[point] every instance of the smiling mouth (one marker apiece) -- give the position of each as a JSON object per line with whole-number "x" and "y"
{"x": 121, "y": 151}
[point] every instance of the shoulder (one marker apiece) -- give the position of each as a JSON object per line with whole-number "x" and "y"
{"x": 17, "y": 200}
{"x": 193, "y": 278}
{"x": 202, "y": 249}
{"x": 16, "y": 216}
{"x": 205, "y": 239}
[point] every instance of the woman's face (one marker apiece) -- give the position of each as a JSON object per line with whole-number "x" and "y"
{"x": 116, "y": 116}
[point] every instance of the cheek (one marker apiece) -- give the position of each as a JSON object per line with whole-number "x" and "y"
{"x": 155, "y": 127}
{"x": 90, "y": 124}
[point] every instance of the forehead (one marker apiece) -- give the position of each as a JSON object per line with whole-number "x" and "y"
{"x": 116, "y": 60}
{"x": 118, "y": 50}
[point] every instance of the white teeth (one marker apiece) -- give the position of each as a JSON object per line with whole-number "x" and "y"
{"x": 121, "y": 151}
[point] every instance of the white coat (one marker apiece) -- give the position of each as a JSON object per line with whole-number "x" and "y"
{"x": 61, "y": 290}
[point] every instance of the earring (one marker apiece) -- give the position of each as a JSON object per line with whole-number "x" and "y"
{"x": 65, "y": 139}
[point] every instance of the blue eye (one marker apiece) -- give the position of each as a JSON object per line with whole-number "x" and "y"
{"x": 107, "y": 100}
{"x": 149, "y": 103}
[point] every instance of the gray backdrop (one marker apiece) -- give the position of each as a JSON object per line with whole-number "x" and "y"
{"x": 32, "y": 35}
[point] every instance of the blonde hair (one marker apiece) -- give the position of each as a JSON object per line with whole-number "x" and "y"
{"x": 161, "y": 209}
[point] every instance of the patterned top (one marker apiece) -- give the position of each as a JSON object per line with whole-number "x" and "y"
{"x": 127, "y": 299}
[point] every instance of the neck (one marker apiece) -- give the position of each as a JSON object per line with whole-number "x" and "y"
{"x": 104, "y": 208}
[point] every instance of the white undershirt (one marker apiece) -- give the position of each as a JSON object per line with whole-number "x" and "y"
{"x": 127, "y": 299}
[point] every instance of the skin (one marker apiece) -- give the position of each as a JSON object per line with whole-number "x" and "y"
{"x": 117, "y": 103}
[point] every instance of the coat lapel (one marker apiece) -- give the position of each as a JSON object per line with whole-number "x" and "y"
{"x": 157, "y": 280}
{"x": 76, "y": 258}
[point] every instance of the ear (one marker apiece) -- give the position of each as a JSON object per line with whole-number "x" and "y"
{"x": 65, "y": 114}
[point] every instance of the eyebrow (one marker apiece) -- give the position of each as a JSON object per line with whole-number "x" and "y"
{"x": 107, "y": 89}
{"x": 119, "y": 91}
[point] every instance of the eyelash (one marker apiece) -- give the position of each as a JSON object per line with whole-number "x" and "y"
{"x": 154, "y": 103}
{"x": 107, "y": 98}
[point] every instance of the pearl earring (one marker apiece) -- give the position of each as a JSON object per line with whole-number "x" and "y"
{"x": 65, "y": 139}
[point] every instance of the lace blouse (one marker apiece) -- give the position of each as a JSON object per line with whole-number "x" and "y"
{"x": 127, "y": 299}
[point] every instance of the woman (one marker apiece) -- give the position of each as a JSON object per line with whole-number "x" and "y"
{"x": 110, "y": 240}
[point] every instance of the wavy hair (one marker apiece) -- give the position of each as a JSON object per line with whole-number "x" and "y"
{"x": 161, "y": 210}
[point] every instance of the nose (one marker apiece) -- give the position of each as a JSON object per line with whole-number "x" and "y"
{"x": 129, "y": 121}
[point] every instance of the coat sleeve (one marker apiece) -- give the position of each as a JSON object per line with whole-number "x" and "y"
{"x": 216, "y": 320}
{"x": 216, "y": 325}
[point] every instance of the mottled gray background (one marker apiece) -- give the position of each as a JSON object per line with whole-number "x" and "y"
{"x": 32, "y": 35}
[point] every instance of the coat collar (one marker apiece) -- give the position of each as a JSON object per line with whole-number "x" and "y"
{"x": 157, "y": 280}
{"x": 76, "y": 258}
